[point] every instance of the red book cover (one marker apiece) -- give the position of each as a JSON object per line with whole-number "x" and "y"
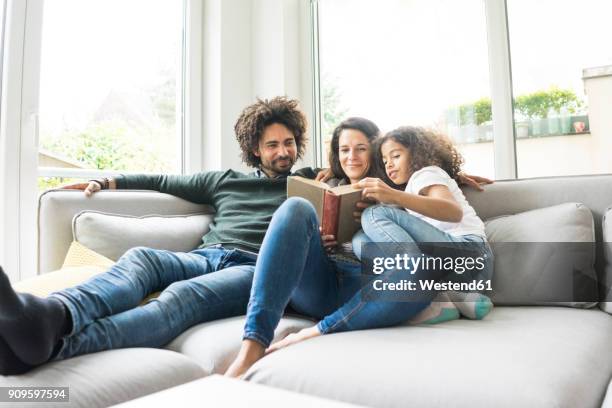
{"x": 331, "y": 208}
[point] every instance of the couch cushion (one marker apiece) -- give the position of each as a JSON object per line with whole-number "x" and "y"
{"x": 110, "y": 377}
{"x": 544, "y": 256}
{"x": 608, "y": 400}
{"x": 606, "y": 284}
{"x": 44, "y": 285}
{"x": 514, "y": 196}
{"x": 113, "y": 234}
{"x": 214, "y": 345}
{"x": 79, "y": 255}
{"x": 57, "y": 208}
{"x": 517, "y": 357}
{"x": 81, "y": 263}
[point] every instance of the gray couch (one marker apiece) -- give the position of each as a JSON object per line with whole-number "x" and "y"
{"x": 536, "y": 356}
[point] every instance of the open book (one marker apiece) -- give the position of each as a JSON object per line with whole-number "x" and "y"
{"x": 334, "y": 205}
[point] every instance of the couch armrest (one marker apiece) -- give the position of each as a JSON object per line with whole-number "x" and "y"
{"x": 56, "y": 208}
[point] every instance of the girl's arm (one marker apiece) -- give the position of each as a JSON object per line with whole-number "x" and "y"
{"x": 435, "y": 201}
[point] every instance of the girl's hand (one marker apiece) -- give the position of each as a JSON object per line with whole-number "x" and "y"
{"x": 329, "y": 241}
{"x": 293, "y": 338}
{"x": 377, "y": 190}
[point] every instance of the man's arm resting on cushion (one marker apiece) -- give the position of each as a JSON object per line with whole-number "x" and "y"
{"x": 198, "y": 188}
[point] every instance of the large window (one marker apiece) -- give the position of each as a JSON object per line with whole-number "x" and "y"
{"x": 110, "y": 88}
{"x": 2, "y": 21}
{"x": 409, "y": 62}
{"x": 553, "y": 42}
{"x": 422, "y": 62}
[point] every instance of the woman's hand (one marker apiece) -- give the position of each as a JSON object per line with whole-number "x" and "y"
{"x": 377, "y": 190}
{"x": 324, "y": 175}
{"x": 293, "y": 338}
{"x": 329, "y": 241}
{"x": 473, "y": 181}
{"x": 89, "y": 188}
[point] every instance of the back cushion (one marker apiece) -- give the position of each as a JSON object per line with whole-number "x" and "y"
{"x": 112, "y": 235}
{"x": 544, "y": 257}
{"x": 606, "y": 284}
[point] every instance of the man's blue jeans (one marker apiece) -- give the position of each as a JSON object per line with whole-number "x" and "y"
{"x": 293, "y": 268}
{"x": 196, "y": 287}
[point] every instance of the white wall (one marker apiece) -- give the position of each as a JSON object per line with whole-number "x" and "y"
{"x": 252, "y": 49}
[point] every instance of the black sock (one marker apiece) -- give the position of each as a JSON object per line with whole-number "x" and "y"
{"x": 10, "y": 364}
{"x": 30, "y": 326}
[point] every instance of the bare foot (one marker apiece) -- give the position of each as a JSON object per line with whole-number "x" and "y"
{"x": 249, "y": 353}
{"x": 304, "y": 334}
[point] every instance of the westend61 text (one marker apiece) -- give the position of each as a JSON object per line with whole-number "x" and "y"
{"x": 476, "y": 285}
{"x": 413, "y": 263}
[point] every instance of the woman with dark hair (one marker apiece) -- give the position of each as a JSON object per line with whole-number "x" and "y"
{"x": 350, "y": 154}
{"x": 351, "y": 160}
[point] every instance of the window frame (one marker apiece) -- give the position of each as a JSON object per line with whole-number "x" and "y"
{"x": 20, "y": 102}
{"x": 500, "y": 79}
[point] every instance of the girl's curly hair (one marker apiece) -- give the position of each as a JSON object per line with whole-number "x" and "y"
{"x": 427, "y": 148}
{"x": 255, "y": 118}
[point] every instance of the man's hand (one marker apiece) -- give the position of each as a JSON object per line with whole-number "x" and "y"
{"x": 377, "y": 190}
{"x": 89, "y": 188}
{"x": 324, "y": 175}
{"x": 329, "y": 241}
{"x": 93, "y": 186}
{"x": 303, "y": 334}
{"x": 473, "y": 181}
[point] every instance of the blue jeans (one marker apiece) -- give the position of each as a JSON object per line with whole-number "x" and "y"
{"x": 196, "y": 287}
{"x": 391, "y": 225}
{"x": 293, "y": 268}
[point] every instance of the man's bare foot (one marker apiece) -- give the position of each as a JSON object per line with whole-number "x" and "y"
{"x": 249, "y": 353}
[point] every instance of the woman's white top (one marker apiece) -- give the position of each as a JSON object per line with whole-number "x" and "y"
{"x": 434, "y": 175}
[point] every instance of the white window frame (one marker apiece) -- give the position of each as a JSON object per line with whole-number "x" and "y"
{"x": 500, "y": 73}
{"x": 19, "y": 131}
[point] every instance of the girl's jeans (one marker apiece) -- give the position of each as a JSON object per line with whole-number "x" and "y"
{"x": 387, "y": 229}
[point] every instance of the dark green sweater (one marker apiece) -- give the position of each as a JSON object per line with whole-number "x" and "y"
{"x": 244, "y": 203}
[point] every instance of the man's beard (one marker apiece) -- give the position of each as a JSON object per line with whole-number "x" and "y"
{"x": 274, "y": 166}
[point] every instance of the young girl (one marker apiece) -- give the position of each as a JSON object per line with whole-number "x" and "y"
{"x": 426, "y": 204}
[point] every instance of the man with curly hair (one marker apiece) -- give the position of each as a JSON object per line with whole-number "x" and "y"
{"x": 209, "y": 283}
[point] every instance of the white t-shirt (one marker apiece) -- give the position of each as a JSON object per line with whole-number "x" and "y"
{"x": 434, "y": 175}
